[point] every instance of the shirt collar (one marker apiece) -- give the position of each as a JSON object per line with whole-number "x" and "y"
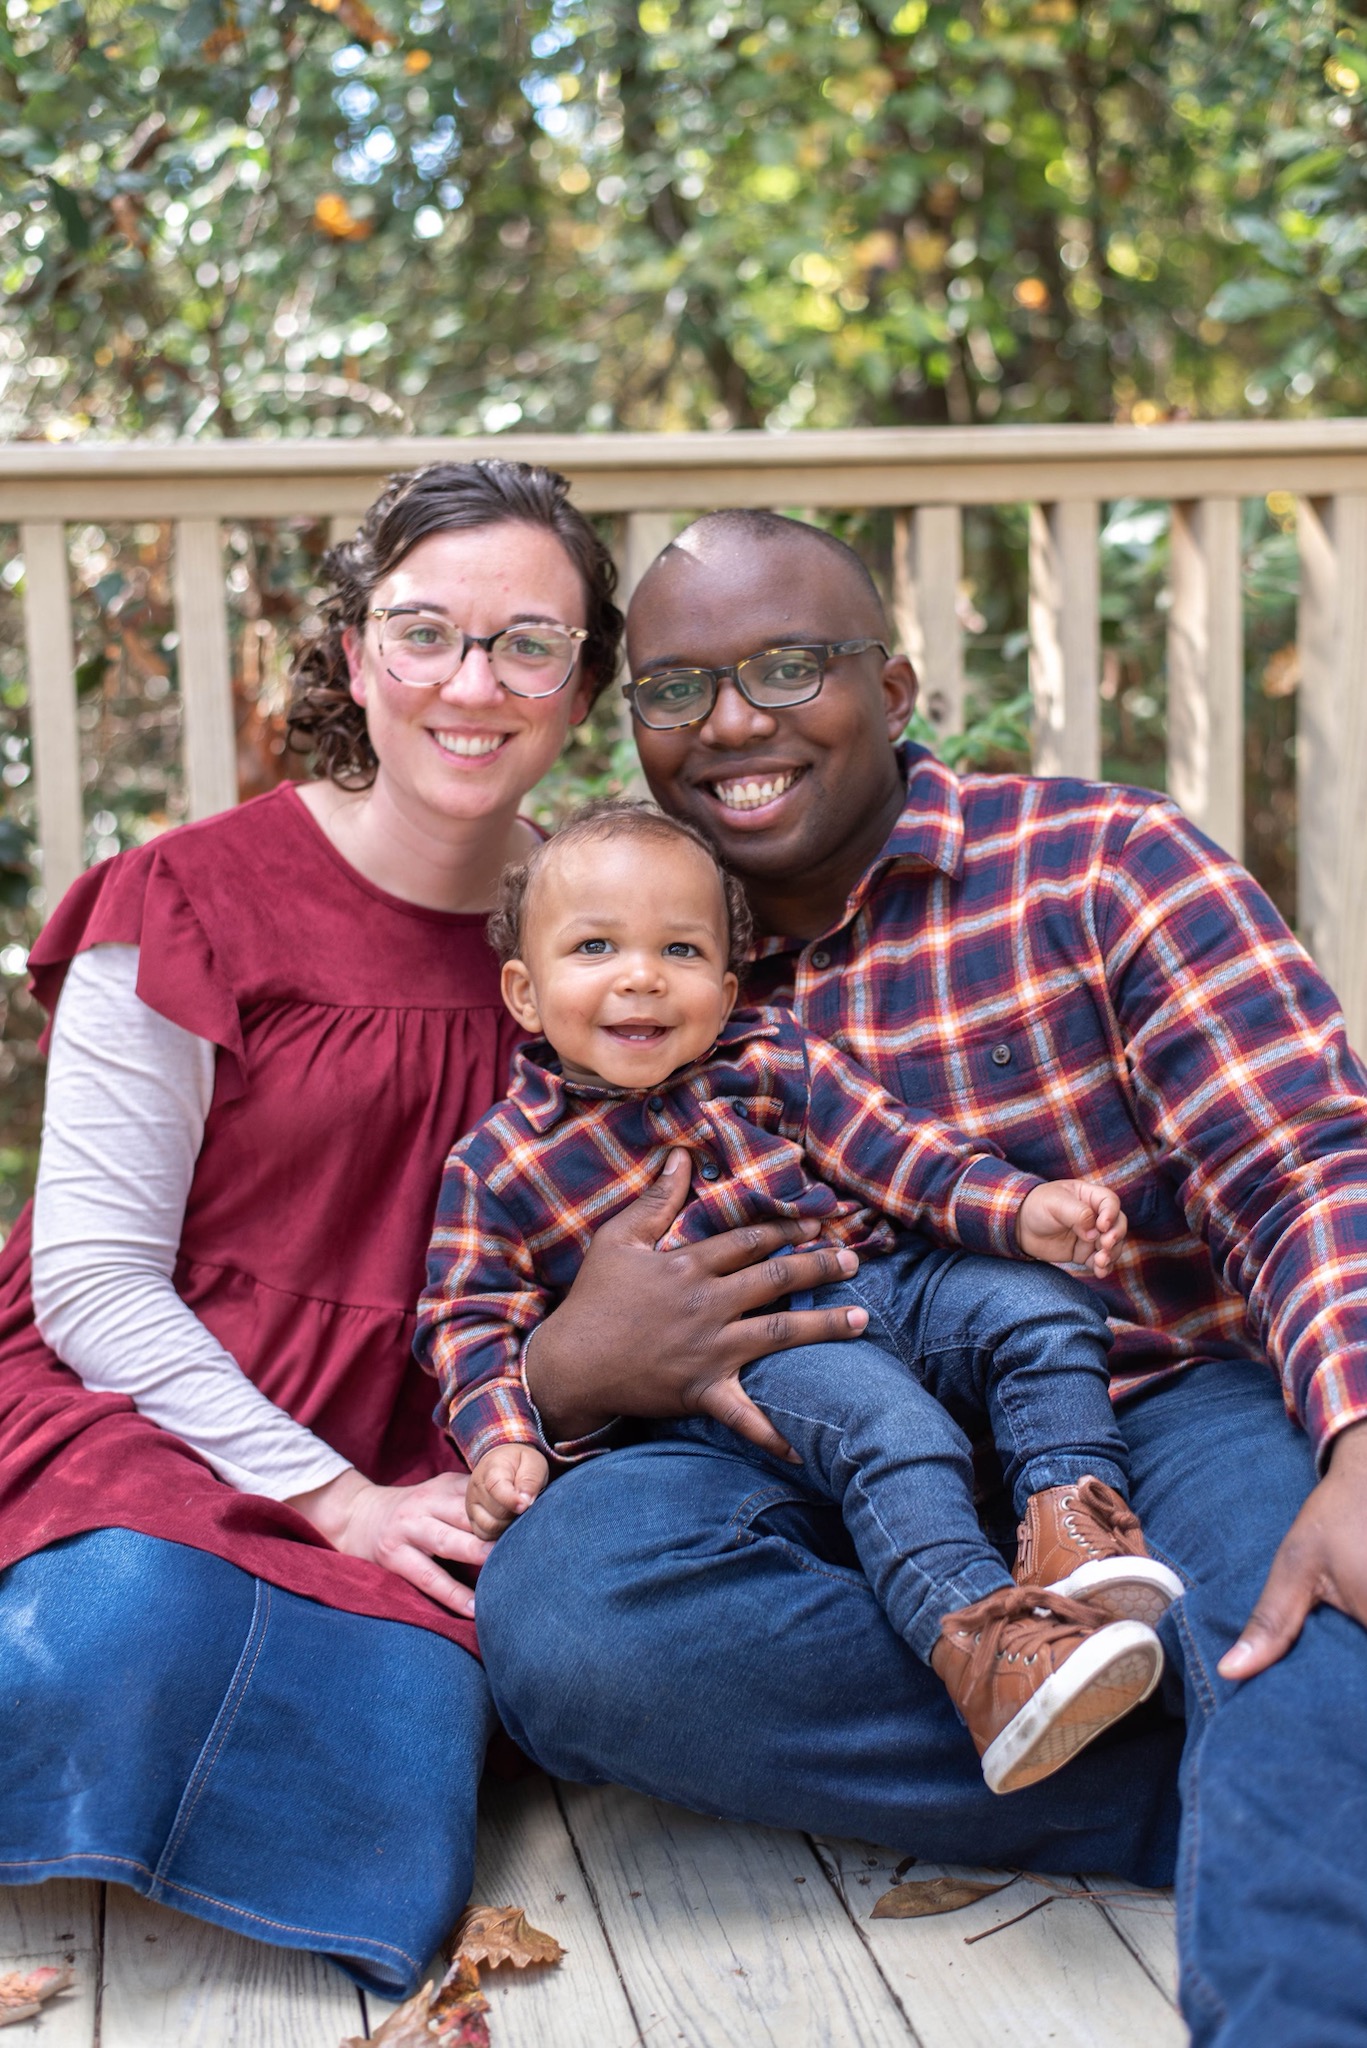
{"x": 542, "y": 1095}
{"x": 929, "y": 834}
{"x": 930, "y": 829}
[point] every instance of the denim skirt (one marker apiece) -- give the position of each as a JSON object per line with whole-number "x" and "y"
{"x": 300, "y": 1774}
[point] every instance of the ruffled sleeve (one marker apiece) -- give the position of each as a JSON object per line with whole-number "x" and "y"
{"x": 137, "y": 899}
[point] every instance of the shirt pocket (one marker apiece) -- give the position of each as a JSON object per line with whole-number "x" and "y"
{"x": 1043, "y": 1085}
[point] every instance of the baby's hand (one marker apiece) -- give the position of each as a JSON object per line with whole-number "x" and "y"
{"x": 503, "y": 1485}
{"x": 1072, "y": 1223}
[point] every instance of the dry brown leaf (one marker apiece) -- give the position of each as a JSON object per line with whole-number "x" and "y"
{"x": 1282, "y": 676}
{"x": 406, "y": 2027}
{"x": 450, "y": 2017}
{"x": 357, "y": 19}
{"x": 457, "y": 2015}
{"x": 334, "y": 217}
{"x": 23, "y": 1993}
{"x": 126, "y": 214}
{"x": 220, "y": 42}
{"x": 502, "y": 1934}
{"x": 929, "y": 1895}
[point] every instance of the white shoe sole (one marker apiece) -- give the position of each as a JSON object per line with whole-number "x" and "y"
{"x": 1124, "y": 1588}
{"x": 1106, "y": 1676}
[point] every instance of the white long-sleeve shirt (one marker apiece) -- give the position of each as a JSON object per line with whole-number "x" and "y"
{"x": 128, "y": 1093}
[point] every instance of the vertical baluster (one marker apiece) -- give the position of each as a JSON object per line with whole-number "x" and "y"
{"x": 1331, "y": 755}
{"x": 643, "y": 534}
{"x": 206, "y": 694}
{"x": 1206, "y": 669}
{"x": 1065, "y": 638}
{"x": 53, "y": 729}
{"x": 927, "y": 567}
{"x": 639, "y": 538}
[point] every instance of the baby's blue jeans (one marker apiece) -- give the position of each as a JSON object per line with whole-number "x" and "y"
{"x": 883, "y": 1426}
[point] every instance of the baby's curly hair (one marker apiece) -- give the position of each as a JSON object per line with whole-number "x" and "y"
{"x": 613, "y": 818}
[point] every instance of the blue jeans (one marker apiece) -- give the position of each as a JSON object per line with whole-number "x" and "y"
{"x": 672, "y": 1618}
{"x": 881, "y": 1425}
{"x": 301, "y": 1775}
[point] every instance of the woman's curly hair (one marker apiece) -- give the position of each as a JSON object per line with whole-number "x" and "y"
{"x": 324, "y": 720}
{"x": 613, "y": 818}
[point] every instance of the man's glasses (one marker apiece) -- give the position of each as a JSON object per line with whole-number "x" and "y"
{"x": 425, "y": 651}
{"x": 781, "y": 676}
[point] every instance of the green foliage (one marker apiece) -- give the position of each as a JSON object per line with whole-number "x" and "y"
{"x": 281, "y": 216}
{"x": 274, "y": 218}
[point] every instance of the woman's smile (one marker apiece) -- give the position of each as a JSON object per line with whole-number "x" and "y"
{"x": 469, "y": 746}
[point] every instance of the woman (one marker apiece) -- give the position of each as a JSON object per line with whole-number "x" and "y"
{"x": 234, "y": 1671}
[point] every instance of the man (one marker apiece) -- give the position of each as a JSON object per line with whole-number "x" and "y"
{"x": 1074, "y": 971}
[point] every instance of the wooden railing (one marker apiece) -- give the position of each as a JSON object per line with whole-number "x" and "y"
{"x": 1065, "y": 475}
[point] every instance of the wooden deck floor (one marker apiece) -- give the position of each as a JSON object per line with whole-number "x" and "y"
{"x": 678, "y": 1929}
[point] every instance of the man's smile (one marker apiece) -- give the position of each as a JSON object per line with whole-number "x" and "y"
{"x": 749, "y": 796}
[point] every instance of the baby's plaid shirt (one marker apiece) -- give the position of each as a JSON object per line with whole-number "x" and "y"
{"x": 778, "y": 1124}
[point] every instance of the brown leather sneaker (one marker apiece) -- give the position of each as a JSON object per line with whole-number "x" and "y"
{"x": 1083, "y": 1541}
{"x": 1036, "y": 1676}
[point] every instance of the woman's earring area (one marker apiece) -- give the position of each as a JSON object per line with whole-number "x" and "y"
{"x": 353, "y": 649}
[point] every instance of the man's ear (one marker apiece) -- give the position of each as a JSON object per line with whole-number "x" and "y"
{"x": 351, "y": 648}
{"x": 899, "y": 693}
{"x": 519, "y": 996}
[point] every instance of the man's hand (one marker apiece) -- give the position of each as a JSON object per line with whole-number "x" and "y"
{"x": 402, "y": 1528}
{"x": 503, "y": 1485}
{"x": 1072, "y": 1223}
{"x": 650, "y": 1333}
{"x": 1322, "y": 1558}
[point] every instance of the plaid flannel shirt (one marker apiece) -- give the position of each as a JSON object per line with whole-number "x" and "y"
{"x": 1074, "y": 970}
{"x": 778, "y": 1123}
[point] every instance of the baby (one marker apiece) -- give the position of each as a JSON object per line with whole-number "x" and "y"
{"x": 620, "y": 940}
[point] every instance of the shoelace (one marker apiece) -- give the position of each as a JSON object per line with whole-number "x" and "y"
{"x": 1012, "y": 1624}
{"x": 1094, "y": 1503}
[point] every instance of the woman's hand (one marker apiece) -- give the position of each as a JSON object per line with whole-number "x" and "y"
{"x": 402, "y": 1528}
{"x": 1072, "y": 1223}
{"x": 650, "y": 1333}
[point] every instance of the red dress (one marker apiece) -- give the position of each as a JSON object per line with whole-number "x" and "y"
{"x": 358, "y": 1036}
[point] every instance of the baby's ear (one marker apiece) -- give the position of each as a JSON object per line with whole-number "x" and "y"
{"x": 519, "y": 995}
{"x": 730, "y": 989}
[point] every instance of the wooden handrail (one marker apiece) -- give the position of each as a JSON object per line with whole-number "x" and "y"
{"x": 663, "y": 472}
{"x": 925, "y": 475}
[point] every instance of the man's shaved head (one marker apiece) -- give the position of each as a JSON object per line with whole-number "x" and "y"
{"x": 719, "y": 533}
{"x": 797, "y": 798}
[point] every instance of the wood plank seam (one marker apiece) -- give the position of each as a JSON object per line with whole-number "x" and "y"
{"x": 829, "y": 1867}
{"x": 597, "y": 1904}
{"x": 99, "y": 1964}
{"x": 1117, "y": 1921}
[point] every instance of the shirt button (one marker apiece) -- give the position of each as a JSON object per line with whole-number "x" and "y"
{"x": 1001, "y": 1055}
{"x": 821, "y": 958}
{"x": 655, "y": 1104}
{"x": 710, "y": 1170}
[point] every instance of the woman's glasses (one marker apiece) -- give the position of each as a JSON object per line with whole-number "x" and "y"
{"x": 771, "y": 681}
{"x": 426, "y": 651}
